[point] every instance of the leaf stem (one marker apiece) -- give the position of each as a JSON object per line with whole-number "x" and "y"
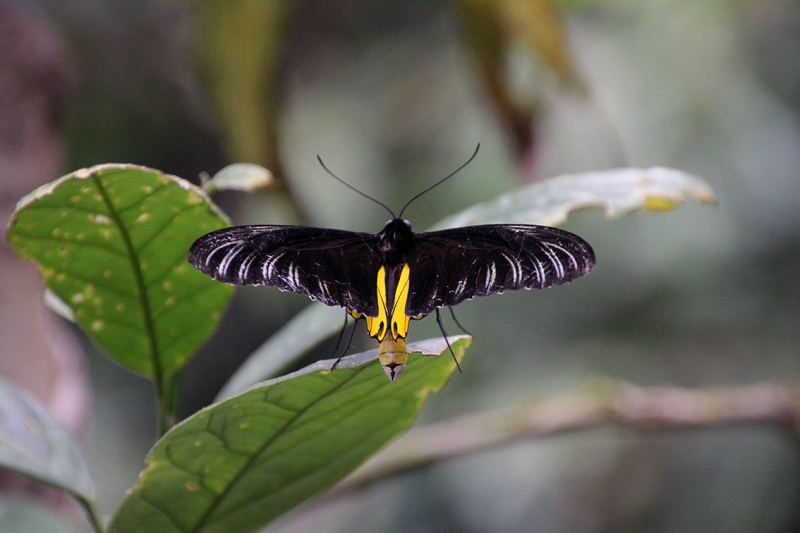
{"x": 601, "y": 403}
{"x": 168, "y": 407}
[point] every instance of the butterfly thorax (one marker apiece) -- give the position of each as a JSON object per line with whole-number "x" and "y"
{"x": 396, "y": 242}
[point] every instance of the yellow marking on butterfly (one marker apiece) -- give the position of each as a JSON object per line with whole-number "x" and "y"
{"x": 392, "y": 352}
{"x": 377, "y": 325}
{"x": 399, "y": 321}
{"x": 399, "y": 318}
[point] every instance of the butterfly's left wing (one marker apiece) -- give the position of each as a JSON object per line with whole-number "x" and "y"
{"x": 459, "y": 264}
{"x": 335, "y": 267}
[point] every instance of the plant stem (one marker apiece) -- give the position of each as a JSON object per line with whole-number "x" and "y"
{"x": 167, "y": 403}
{"x": 602, "y": 403}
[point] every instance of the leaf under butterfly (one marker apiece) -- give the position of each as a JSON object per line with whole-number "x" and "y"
{"x": 617, "y": 192}
{"x": 239, "y": 464}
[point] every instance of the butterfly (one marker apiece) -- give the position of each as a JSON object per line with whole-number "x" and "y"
{"x": 394, "y": 276}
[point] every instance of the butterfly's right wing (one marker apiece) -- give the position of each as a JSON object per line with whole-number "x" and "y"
{"x": 458, "y": 264}
{"x": 338, "y": 268}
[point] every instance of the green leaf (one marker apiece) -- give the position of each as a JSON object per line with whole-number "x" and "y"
{"x": 238, "y": 177}
{"x": 240, "y": 464}
{"x": 549, "y": 202}
{"x": 111, "y": 243}
{"x": 32, "y": 443}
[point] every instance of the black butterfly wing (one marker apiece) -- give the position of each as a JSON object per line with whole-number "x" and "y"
{"x": 459, "y": 264}
{"x": 335, "y": 267}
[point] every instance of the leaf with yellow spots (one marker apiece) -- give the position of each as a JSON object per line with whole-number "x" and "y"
{"x": 111, "y": 244}
{"x": 240, "y": 464}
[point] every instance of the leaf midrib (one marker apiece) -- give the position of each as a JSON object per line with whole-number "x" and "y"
{"x": 208, "y": 513}
{"x": 144, "y": 301}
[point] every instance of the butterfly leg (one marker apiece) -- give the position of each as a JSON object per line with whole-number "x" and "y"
{"x": 441, "y": 327}
{"x": 453, "y": 314}
{"x": 349, "y": 340}
{"x": 341, "y": 334}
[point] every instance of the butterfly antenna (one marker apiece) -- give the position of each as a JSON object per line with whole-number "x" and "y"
{"x": 340, "y": 180}
{"x": 442, "y": 180}
{"x": 453, "y": 314}
{"x": 441, "y": 327}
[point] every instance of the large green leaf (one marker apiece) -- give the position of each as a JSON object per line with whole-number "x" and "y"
{"x": 34, "y": 444}
{"x": 549, "y": 202}
{"x": 111, "y": 242}
{"x": 240, "y": 464}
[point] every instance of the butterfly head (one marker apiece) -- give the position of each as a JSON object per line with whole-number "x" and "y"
{"x": 393, "y": 356}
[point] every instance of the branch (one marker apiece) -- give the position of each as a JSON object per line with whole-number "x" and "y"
{"x": 600, "y": 404}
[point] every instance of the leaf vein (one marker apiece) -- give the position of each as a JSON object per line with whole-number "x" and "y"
{"x": 266, "y": 444}
{"x": 144, "y": 198}
{"x": 141, "y": 246}
{"x": 161, "y": 510}
{"x": 339, "y": 458}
